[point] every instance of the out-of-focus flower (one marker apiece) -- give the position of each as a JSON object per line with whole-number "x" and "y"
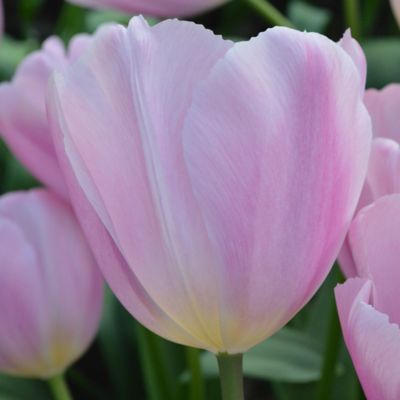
{"x": 50, "y": 288}
{"x": 396, "y": 9}
{"x": 23, "y": 120}
{"x": 215, "y": 181}
{"x": 369, "y": 306}
{"x": 383, "y": 176}
{"x": 157, "y": 8}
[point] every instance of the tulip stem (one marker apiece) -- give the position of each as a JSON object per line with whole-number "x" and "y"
{"x": 59, "y": 388}
{"x": 266, "y": 10}
{"x": 231, "y": 375}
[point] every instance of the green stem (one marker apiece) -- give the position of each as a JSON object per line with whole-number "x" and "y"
{"x": 59, "y": 388}
{"x": 332, "y": 347}
{"x": 231, "y": 375}
{"x": 197, "y": 382}
{"x": 266, "y": 10}
{"x": 352, "y": 16}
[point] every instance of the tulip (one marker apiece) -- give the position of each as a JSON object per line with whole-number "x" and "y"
{"x": 369, "y": 306}
{"x": 215, "y": 181}
{"x": 50, "y": 288}
{"x": 383, "y": 176}
{"x": 23, "y": 120}
{"x": 157, "y": 8}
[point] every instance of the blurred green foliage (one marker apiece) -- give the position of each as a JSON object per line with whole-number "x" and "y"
{"x": 308, "y": 358}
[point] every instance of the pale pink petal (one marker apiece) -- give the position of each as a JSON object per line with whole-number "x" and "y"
{"x": 277, "y": 142}
{"x": 22, "y": 303}
{"x": 396, "y": 9}
{"x": 51, "y": 283}
{"x": 354, "y": 50}
{"x": 78, "y": 45}
{"x": 160, "y": 8}
{"x": 23, "y": 120}
{"x": 346, "y": 261}
{"x": 345, "y": 257}
{"x": 374, "y": 239}
{"x": 373, "y": 342}
{"x": 383, "y": 106}
{"x": 384, "y": 168}
{"x": 129, "y": 95}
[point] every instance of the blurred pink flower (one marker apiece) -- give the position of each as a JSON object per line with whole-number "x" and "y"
{"x": 215, "y": 181}
{"x": 23, "y": 120}
{"x": 50, "y": 288}
{"x": 396, "y": 9}
{"x": 369, "y": 306}
{"x": 157, "y": 8}
{"x": 383, "y": 176}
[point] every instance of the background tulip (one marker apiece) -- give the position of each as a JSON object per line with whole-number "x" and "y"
{"x": 194, "y": 172}
{"x": 369, "y": 306}
{"x": 50, "y": 288}
{"x": 159, "y": 8}
{"x": 23, "y": 120}
{"x": 396, "y": 9}
{"x": 383, "y": 176}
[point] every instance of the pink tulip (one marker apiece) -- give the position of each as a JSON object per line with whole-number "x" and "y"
{"x": 369, "y": 306}
{"x": 383, "y": 175}
{"x": 384, "y": 167}
{"x": 159, "y": 8}
{"x": 215, "y": 181}
{"x": 383, "y": 105}
{"x": 50, "y": 288}
{"x": 23, "y": 120}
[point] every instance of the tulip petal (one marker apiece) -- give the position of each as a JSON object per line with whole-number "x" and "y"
{"x": 144, "y": 200}
{"x": 383, "y": 175}
{"x": 60, "y": 295}
{"x": 345, "y": 258}
{"x": 396, "y": 9}
{"x": 373, "y": 342}
{"x": 354, "y": 50}
{"x": 23, "y": 121}
{"x": 21, "y": 337}
{"x": 277, "y": 200}
{"x": 158, "y": 8}
{"x": 374, "y": 239}
{"x": 383, "y": 106}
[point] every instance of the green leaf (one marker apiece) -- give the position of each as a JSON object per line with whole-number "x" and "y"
{"x": 96, "y": 18}
{"x": 157, "y": 373}
{"x": 383, "y": 58}
{"x": 27, "y": 9}
{"x": 308, "y": 17}
{"x": 116, "y": 345}
{"x": 12, "y": 52}
{"x": 289, "y": 356}
{"x": 70, "y": 22}
{"x": 22, "y": 389}
{"x": 14, "y": 176}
